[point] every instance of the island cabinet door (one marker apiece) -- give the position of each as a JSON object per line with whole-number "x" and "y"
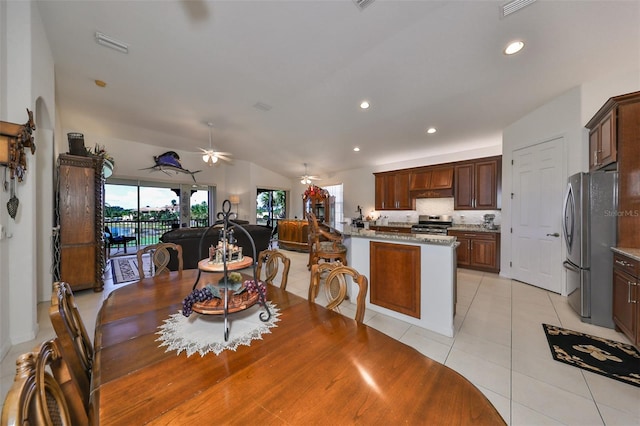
{"x": 463, "y": 252}
{"x": 395, "y": 277}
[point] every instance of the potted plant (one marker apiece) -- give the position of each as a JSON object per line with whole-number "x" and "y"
{"x": 108, "y": 161}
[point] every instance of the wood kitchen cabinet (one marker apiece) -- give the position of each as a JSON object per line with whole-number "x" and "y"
{"x": 432, "y": 182}
{"x": 391, "y": 229}
{"x": 626, "y": 309}
{"x": 392, "y": 190}
{"x": 80, "y": 199}
{"x": 478, "y": 250}
{"x": 617, "y": 124}
{"x": 602, "y": 140}
{"x": 394, "y": 280}
{"x": 478, "y": 184}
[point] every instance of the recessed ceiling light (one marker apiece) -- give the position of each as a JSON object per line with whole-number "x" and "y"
{"x": 431, "y": 130}
{"x": 514, "y": 47}
{"x": 356, "y": 149}
{"x": 100, "y": 83}
{"x": 364, "y": 105}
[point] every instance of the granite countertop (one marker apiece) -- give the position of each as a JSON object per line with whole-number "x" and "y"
{"x": 442, "y": 240}
{"x": 456, "y": 227}
{"x": 633, "y": 253}
{"x": 472, "y": 228}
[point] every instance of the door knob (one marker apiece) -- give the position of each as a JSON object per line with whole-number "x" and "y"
{"x": 555, "y": 234}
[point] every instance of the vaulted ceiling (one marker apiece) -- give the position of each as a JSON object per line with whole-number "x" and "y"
{"x": 282, "y": 81}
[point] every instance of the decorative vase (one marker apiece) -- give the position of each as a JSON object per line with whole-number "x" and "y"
{"x": 107, "y": 168}
{"x": 76, "y": 144}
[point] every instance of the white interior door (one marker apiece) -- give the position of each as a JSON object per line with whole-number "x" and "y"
{"x": 537, "y": 215}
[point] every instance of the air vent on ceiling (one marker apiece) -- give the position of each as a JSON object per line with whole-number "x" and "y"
{"x": 362, "y": 3}
{"x": 262, "y": 106}
{"x": 514, "y": 6}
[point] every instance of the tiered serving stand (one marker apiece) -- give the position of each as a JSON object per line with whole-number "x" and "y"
{"x": 230, "y": 302}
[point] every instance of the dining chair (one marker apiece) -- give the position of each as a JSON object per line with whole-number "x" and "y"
{"x": 160, "y": 257}
{"x": 271, "y": 259}
{"x": 147, "y": 250}
{"x": 36, "y": 396}
{"x": 332, "y": 277}
{"x": 73, "y": 340}
{"x": 323, "y": 244}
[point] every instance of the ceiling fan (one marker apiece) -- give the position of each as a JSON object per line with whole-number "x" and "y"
{"x": 306, "y": 179}
{"x": 211, "y": 156}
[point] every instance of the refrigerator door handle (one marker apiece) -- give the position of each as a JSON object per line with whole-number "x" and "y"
{"x": 571, "y": 266}
{"x": 568, "y": 208}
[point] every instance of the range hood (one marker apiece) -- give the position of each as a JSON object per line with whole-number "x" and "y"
{"x": 431, "y": 182}
{"x": 432, "y": 193}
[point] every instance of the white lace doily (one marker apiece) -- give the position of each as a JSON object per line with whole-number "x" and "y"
{"x": 205, "y": 333}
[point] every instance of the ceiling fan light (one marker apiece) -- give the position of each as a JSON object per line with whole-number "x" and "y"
{"x": 205, "y": 158}
{"x": 214, "y": 158}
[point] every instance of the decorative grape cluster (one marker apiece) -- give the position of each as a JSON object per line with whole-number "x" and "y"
{"x": 196, "y": 296}
{"x": 252, "y": 287}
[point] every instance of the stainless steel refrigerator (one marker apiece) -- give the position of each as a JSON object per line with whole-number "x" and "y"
{"x": 589, "y": 228}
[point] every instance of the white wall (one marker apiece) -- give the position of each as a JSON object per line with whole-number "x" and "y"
{"x": 564, "y": 116}
{"x": 27, "y": 82}
{"x": 238, "y": 177}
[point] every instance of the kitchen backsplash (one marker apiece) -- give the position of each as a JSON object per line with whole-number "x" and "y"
{"x": 438, "y": 206}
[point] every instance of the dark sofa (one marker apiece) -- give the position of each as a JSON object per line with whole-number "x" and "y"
{"x": 189, "y": 239}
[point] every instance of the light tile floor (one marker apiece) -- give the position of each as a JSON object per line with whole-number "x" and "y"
{"x": 499, "y": 346}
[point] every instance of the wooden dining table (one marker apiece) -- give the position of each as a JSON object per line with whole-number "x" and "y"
{"x": 316, "y": 367}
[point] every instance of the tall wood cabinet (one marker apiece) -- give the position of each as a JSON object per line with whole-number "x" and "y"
{"x": 614, "y": 143}
{"x": 478, "y": 184}
{"x": 318, "y": 201}
{"x": 79, "y": 209}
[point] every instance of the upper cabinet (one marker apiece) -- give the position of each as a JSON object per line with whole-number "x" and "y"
{"x": 478, "y": 184}
{"x": 614, "y": 143}
{"x": 392, "y": 190}
{"x": 474, "y": 184}
{"x": 602, "y": 140}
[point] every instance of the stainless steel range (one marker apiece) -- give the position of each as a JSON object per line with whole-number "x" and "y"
{"x": 427, "y": 224}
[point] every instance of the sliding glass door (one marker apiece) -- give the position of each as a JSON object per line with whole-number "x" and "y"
{"x": 271, "y": 205}
{"x": 146, "y": 210}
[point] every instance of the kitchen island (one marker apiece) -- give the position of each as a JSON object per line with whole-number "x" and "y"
{"x": 412, "y": 277}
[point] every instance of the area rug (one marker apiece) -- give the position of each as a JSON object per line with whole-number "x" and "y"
{"x": 205, "y": 333}
{"x": 612, "y": 359}
{"x": 125, "y": 269}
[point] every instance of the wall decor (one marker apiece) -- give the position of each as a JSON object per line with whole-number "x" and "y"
{"x": 14, "y": 139}
{"x": 170, "y": 161}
